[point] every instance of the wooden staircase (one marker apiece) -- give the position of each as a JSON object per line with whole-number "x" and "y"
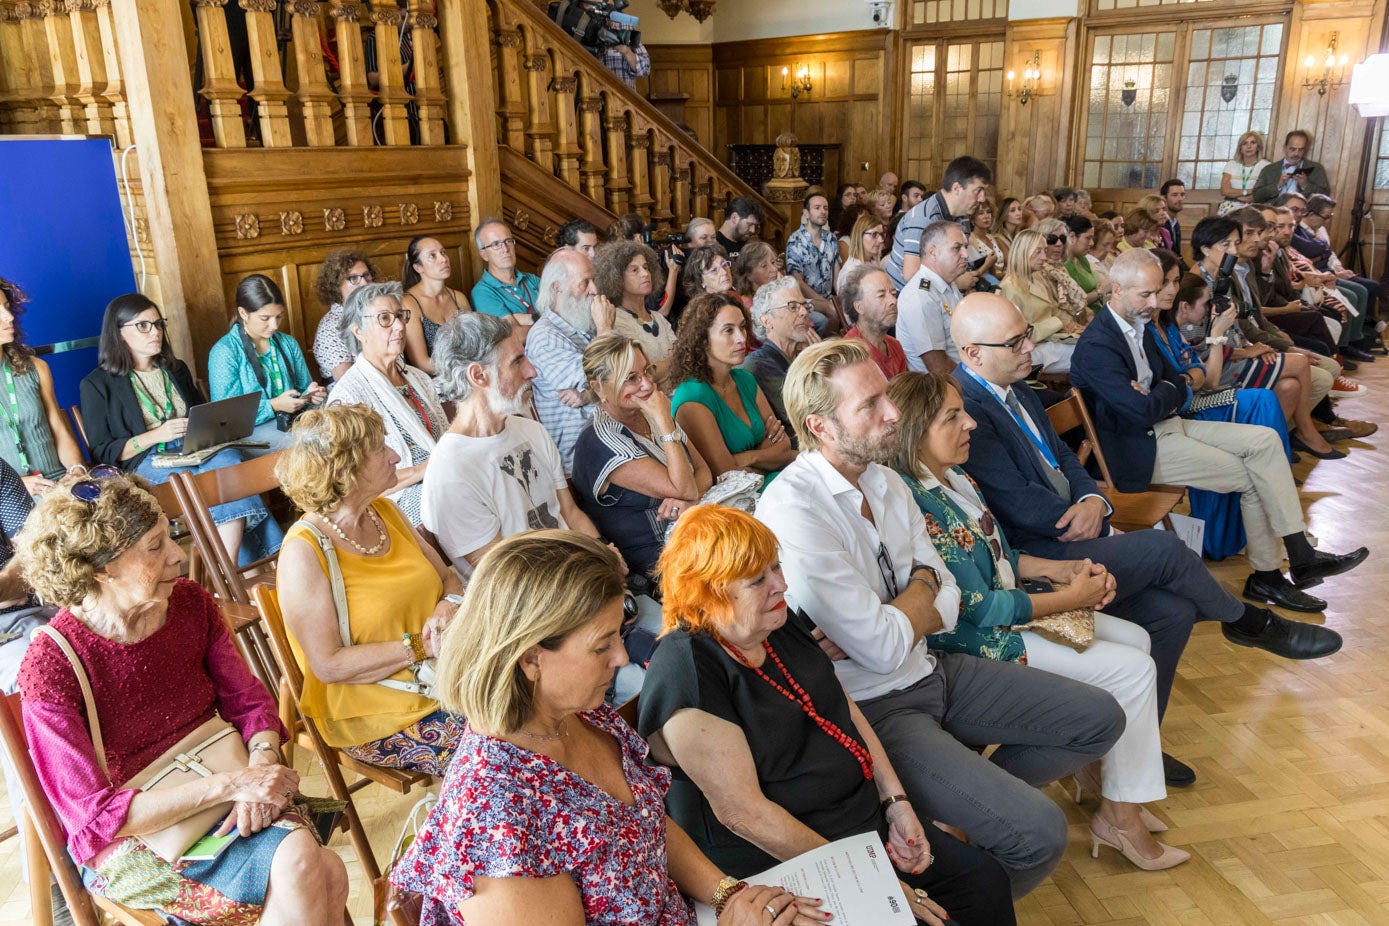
{"x": 575, "y": 142}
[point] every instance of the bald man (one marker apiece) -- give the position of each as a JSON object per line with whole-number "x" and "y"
{"x": 1049, "y": 506}
{"x": 1136, "y": 397}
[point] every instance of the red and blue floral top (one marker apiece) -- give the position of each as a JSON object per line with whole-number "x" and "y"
{"x": 506, "y": 812}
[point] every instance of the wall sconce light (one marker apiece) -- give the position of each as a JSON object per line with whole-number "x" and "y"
{"x": 1031, "y": 80}
{"x": 1333, "y": 73}
{"x": 796, "y": 82}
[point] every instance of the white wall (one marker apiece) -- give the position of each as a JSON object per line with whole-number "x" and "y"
{"x": 736, "y": 20}
{"x": 1042, "y": 9}
{"x": 659, "y": 29}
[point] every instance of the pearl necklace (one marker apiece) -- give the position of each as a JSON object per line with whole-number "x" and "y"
{"x": 365, "y": 551}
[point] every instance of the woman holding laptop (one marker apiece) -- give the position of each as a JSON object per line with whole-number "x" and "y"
{"x": 135, "y": 406}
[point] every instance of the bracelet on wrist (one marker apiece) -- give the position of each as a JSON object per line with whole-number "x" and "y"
{"x": 414, "y": 645}
{"x": 894, "y": 799}
{"x": 724, "y": 892}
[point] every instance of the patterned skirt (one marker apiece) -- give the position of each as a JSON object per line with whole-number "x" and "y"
{"x": 426, "y": 745}
{"x": 228, "y": 890}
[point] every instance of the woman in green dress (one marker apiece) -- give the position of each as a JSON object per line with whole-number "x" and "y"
{"x": 718, "y": 404}
{"x": 35, "y": 439}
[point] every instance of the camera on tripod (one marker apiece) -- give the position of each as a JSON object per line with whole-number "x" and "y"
{"x": 597, "y": 25}
{"x": 1220, "y": 290}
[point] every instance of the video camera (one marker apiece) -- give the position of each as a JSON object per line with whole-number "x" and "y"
{"x": 661, "y": 242}
{"x": 1220, "y": 290}
{"x": 597, "y": 25}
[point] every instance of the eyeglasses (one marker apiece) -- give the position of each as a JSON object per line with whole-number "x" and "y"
{"x": 502, "y": 243}
{"x": 356, "y": 279}
{"x": 145, "y": 326}
{"x": 1325, "y": 216}
{"x": 874, "y": 234}
{"x": 89, "y": 489}
{"x": 796, "y": 305}
{"x": 1012, "y": 344}
{"x": 387, "y": 319}
{"x": 1055, "y": 239}
{"x": 885, "y": 567}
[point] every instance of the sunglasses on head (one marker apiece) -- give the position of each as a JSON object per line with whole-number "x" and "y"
{"x": 89, "y": 490}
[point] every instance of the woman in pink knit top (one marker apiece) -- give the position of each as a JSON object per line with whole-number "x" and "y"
{"x": 160, "y": 662}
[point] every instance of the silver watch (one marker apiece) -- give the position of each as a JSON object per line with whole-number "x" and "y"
{"x": 676, "y": 436}
{"x": 454, "y": 600}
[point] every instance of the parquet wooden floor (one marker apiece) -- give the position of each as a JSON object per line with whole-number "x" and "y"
{"x": 1289, "y": 820}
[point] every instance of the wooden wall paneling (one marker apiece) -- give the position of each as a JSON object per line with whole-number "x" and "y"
{"x": 686, "y": 69}
{"x": 1035, "y": 139}
{"x": 288, "y": 209}
{"x": 535, "y": 207}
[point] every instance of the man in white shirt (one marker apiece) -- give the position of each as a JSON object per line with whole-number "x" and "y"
{"x": 493, "y": 473}
{"x": 925, "y": 304}
{"x": 861, "y": 567}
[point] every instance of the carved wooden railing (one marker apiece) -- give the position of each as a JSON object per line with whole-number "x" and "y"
{"x": 558, "y": 105}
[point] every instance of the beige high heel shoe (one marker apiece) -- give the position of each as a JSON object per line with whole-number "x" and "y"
{"x": 1102, "y": 831}
{"x": 1085, "y": 780}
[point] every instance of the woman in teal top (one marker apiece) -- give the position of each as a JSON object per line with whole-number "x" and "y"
{"x": 34, "y": 439}
{"x": 255, "y": 356}
{"x": 720, "y": 406}
{"x": 934, "y": 444}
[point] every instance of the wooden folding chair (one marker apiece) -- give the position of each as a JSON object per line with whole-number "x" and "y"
{"x": 333, "y": 760}
{"x": 45, "y": 846}
{"x": 1133, "y": 511}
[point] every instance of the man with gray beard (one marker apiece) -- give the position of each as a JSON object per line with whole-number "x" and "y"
{"x": 571, "y": 315}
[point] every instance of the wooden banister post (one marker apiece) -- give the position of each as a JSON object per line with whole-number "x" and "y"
{"x": 660, "y": 184}
{"x": 593, "y": 169}
{"x": 313, "y": 93}
{"x": 568, "y": 153}
{"x": 429, "y": 98}
{"x": 154, "y": 67}
{"x": 681, "y": 192}
{"x": 471, "y": 95}
{"x": 91, "y": 68}
{"x": 62, "y": 63}
{"x": 619, "y": 186}
{"x": 639, "y": 154}
{"x": 219, "y": 88}
{"x": 113, "y": 88}
{"x": 269, "y": 91}
{"x": 32, "y": 60}
{"x": 353, "y": 92}
{"x": 511, "y": 108}
{"x": 390, "y": 79}
{"x": 539, "y": 133}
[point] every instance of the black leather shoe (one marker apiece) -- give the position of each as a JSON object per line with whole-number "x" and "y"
{"x": 1178, "y": 773}
{"x": 1355, "y": 353}
{"x": 1289, "y": 639}
{"x": 1301, "y": 447}
{"x": 1306, "y": 575}
{"x": 1347, "y": 365}
{"x": 1284, "y": 595}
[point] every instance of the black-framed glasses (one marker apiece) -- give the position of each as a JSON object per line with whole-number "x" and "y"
{"x": 1056, "y": 239}
{"x": 500, "y": 243}
{"x": 357, "y": 279}
{"x": 387, "y": 319}
{"x": 885, "y": 567}
{"x": 145, "y": 326}
{"x": 1012, "y": 344}
{"x": 89, "y": 490}
{"x": 875, "y": 234}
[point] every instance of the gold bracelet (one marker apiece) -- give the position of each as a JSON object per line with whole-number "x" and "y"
{"x": 724, "y": 892}
{"x": 414, "y": 644}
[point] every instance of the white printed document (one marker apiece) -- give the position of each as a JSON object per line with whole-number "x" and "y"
{"x": 853, "y": 876}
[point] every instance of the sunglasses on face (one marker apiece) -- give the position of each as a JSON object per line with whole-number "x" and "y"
{"x": 357, "y": 279}
{"x": 502, "y": 243}
{"x": 145, "y": 327}
{"x": 387, "y": 319}
{"x": 1055, "y": 239}
{"x": 89, "y": 489}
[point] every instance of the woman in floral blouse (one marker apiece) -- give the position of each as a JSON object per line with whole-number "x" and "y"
{"x": 934, "y": 445}
{"x": 549, "y": 812}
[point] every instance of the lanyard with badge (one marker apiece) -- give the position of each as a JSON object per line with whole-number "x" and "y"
{"x": 12, "y": 420}
{"x": 527, "y": 303}
{"x": 146, "y": 399}
{"x": 270, "y": 362}
{"x": 1042, "y": 447}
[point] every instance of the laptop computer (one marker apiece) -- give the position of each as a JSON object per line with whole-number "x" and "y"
{"x": 217, "y": 423}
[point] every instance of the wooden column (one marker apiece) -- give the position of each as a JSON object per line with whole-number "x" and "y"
{"x": 62, "y": 63}
{"x": 619, "y": 184}
{"x": 638, "y": 168}
{"x": 680, "y": 187}
{"x": 593, "y": 170}
{"x": 429, "y": 97}
{"x": 568, "y": 153}
{"x": 313, "y": 94}
{"x": 660, "y": 184}
{"x": 269, "y": 91}
{"x": 470, "y": 88}
{"x": 353, "y": 91}
{"x": 219, "y": 88}
{"x": 540, "y": 143}
{"x": 91, "y": 68}
{"x": 390, "y": 80}
{"x": 154, "y": 65}
{"x": 511, "y": 106}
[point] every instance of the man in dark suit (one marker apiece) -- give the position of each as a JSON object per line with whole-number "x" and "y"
{"x": 1050, "y": 506}
{"x": 1135, "y": 396}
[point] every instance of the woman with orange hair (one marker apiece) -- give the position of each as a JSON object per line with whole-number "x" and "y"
{"x": 771, "y": 757}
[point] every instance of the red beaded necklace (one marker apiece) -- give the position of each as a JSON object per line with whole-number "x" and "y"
{"x": 802, "y": 700}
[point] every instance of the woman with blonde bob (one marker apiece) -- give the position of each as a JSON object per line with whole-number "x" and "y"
{"x": 774, "y": 759}
{"x": 398, "y": 592}
{"x": 549, "y": 812}
{"x": 866, "y": 243}
{"x": 160, "y": 664}
{"x": 1028, "y": 286}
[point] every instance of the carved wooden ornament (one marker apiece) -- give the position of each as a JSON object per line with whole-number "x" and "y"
{"x": 334, "y": 218}
{"x": 409, "y": 213}
{"x": 292, "y": 222}
{"x": 247, "y": 225}
{"x": 443, "y": 212}
{"x": 373, "y": 216}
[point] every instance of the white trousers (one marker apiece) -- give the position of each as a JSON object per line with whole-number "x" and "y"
{"x": 1116, "y": 661}
{"x": 1054, "y": 356}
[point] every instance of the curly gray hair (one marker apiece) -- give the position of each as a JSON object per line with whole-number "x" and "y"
{"x": 466, "y": 339}
{"x": 358, "y": 304}
{"x": 762, "y": 302}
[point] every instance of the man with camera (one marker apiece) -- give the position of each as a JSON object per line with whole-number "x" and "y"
{"x": 608, "y": 33}
{"x": 1296, "y": 173}
{"x": 1136, "y": 396}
